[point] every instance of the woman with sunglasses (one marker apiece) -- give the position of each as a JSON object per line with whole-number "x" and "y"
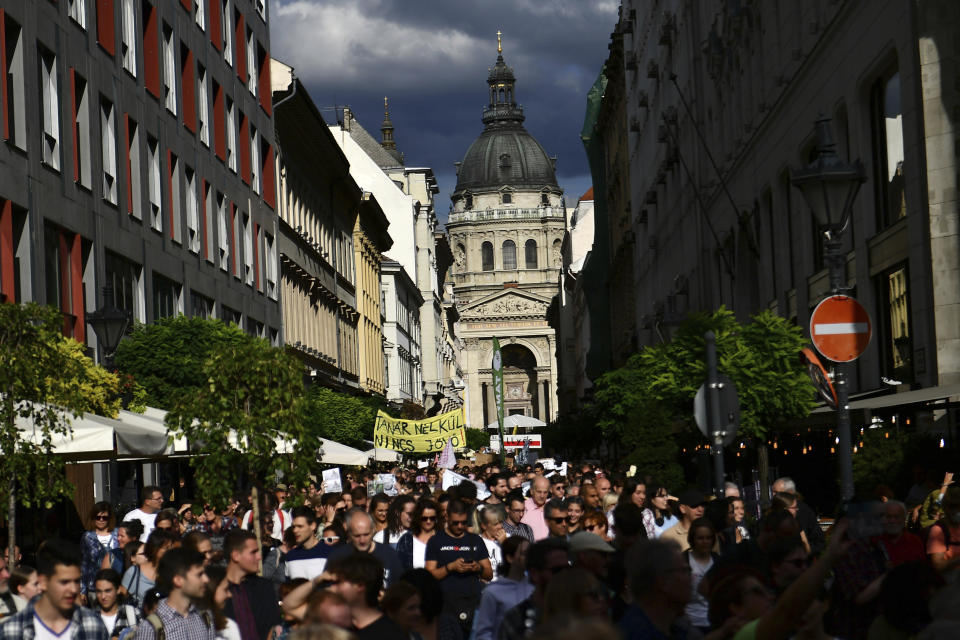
{"x": 101, "y": 547}
{"x": 412, "y": 546}
{"x": 595, "y": 522}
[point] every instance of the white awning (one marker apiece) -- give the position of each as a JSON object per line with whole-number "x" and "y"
{"x": 335, "y": 453}
{"x": 917, "y": 396}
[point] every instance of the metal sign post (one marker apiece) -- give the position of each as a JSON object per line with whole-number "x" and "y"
{"x": 497, "y": 366}
{"x": 713, "y": 413}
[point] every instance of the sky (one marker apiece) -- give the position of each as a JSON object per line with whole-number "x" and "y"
{"x": 431, "y": 59}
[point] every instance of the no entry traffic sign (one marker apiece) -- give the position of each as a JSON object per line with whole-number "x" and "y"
{"x": 840, "y": 328}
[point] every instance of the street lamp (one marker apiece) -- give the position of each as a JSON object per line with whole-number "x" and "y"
{"x": 109, "y": 323}
{"x": 829, "y": 185}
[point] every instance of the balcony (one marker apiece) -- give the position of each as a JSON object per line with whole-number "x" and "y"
{"x": 491, "y": 215}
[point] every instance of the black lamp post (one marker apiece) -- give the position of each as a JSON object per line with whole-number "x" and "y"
{"x": 110, "y": 324}
{"x": 829, "y": 185}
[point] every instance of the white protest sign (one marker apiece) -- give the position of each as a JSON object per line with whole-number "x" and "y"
{"x": 423, "y": 464}
{"x": 563, "y": 469}
{"x": 451, "y": 479}
{"x": 331, "y": 481}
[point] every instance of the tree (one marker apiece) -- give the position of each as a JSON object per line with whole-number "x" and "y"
{"x": 249, "y": 402}
{"x": 339, "y": 416}
{"x": 648, "y": 400}
{"x": 167, "y": 357}
{"x": 44, "y": 379}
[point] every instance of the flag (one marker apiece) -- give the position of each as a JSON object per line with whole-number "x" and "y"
{"x": 447, "y": 458}
{"x": 497, "y": 367}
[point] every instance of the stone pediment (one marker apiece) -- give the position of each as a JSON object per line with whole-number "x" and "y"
{"x": 506, "y": 304}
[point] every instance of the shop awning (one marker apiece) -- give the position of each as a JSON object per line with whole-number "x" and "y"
{"x": 917, "y": 396}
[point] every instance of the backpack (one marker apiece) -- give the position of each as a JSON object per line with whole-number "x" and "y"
{"x": 157, "y": 623}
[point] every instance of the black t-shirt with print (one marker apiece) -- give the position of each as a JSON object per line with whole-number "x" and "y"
{"x": 444, "y": 549}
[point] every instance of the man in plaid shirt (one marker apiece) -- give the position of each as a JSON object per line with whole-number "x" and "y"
{"x": 181, "y": 574}
{"x": 55, "y": 612}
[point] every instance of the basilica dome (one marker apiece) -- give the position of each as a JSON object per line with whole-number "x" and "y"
{"x": 505, "y": 154}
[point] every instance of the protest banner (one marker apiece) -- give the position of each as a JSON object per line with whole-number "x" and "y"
{"x": 420, "y": 436}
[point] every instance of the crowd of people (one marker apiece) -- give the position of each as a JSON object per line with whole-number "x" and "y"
{"x": 505, "y": 554}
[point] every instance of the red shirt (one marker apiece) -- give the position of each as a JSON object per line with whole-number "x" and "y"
{"x": 908, "y": 548}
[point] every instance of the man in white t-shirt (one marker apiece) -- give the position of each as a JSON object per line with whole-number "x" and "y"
{"x": 151, "y": 501}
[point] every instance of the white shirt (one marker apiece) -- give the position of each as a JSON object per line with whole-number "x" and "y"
{"x": 698, "y": 606}
{"x": 281, "y": 520}
{"x": 419, "y": 554}
{"x": 392, "y": 542}
{"x": 43, "y": 632}
{"x": 146, "y": 518}
{"x": 229, "y": 632}
{"x": 495, "y": 553}
{"x": 109, "y": 621}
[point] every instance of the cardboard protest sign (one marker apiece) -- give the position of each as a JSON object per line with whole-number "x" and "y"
{"x": 420, "y": 436}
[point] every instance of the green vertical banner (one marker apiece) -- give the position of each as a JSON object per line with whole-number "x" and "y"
{"x": 497, "y": 366}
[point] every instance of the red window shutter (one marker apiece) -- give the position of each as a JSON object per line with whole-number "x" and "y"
{"x": 76, "y": 286}
{"x": 7, "y": 286}
{"x": 173, "y": 222}
{"x": 106, "y": 35}
{"x": 233, "y": 244}
{"x": 267, "y": 178}
{"x": 151, "y": 49}
{"x": 203, "y": 217}
{"x": 264, "y": 90}
{"x": 244, "y": 148}
{"x": 188, "y": 5}
{"x": 126, "y": 135}
{"x": 240, "y": 48}
{"x": 73, "y": 125}
{"x": 3, "y": 73}
{"x": 213, "y": 17}
{"x": 256, "y": 256}
{"x": 188, "y": 88}
{"x": 219, "y": 122}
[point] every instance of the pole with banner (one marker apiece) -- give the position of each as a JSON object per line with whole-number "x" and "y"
{"x": 497, "y": 366}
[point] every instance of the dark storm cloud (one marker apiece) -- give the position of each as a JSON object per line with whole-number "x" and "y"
{"x": 431, "y": 58}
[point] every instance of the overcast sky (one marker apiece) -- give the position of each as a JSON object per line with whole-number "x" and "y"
{"x": 431, "y": 58}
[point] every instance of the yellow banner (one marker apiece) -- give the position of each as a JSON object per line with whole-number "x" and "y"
{"x": 420, "y": 436}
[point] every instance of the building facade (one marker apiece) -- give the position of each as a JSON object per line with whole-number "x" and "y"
{"x": 505, "y": 229}
{"x": 401, "y": 334}
{"x": 370, "y": 240}
{"x": 721, "y": 101}
{"x": 318, "y": 207}
{"x": 139, "y": 154}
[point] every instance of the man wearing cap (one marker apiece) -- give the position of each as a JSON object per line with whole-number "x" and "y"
{"x": 691, "y": 507}
{"x": 589, "y": 551}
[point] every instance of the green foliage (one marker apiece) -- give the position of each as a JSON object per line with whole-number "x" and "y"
{"x": 477, "y": 438}
{"x": 647, "y": 404}
{"x": 167, "y": 357}
{"x": 879, "y": 461}
{"x": 339, "y": 416}
{"x": 44, "y": 378}
{"x": 251, "y": 399}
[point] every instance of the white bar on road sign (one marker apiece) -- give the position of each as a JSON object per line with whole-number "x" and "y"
{"x": 840, "y": 328}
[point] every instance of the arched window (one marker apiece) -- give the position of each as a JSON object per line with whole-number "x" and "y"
{"x": 468, "y": 202}
{"x": 509, "y": 254}
{"x": 530, "y": 253}
{"x": 486, "y": 254}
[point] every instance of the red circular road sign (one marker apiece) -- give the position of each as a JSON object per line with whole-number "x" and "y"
{"x": 840, "y": 328}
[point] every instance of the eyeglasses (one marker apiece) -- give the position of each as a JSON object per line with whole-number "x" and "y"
{"x": 102, "y": 518}
{"x": 428, "y": 519}
{"x": 558, "y": 520}
{"x": 457, "y": 523}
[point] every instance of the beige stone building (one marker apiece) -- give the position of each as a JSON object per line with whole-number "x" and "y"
{"x": 505, "y": 230}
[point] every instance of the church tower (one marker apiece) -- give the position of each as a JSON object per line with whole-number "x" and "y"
{"x": 506, "y": 228}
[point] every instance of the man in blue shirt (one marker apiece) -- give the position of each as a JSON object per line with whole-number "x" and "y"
{"x": 309, "y": 557}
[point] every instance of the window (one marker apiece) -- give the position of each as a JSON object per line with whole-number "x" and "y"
{"x": 13, "y": 82}
{"x": 255, "y": 160}
{"x": 247, "y": 229}
{"x": 255, "y": 328}
{"x": 219, "y": 122}
{"x": 209, "y": 208}
{"x": 166, "y": 297}
{"x": 108, "y": 148}
{"x": 200, "y": 305}
{"x": 544, "y": 199}
{"x": 50, "y": 103}
{"x": 231, "y": 136}
{"x": 64, "y": 262}
{"x": 240, "y": 45}
{"x": 509, "y": 254}
{"x": 244, "y": 148}
{"x": 235, "y": 240}
{"x": 486, "y": 255}
{"x": 200, "y": 13}
{"x": 252, "y": 63}
{"x": 223, "y": 232}
{"x": 506, "y": 197}
{"x": 203, "y": 106}
{"x": 80, "y": 105}
{"x": 530, "y": 253}
{"x": 188, "y": 86}
{"x": 77, "y": 11}
{"x": 258, "y": 275}
{"x": 226, "y": 31}
{"x": 193, "y": 217}
{"x": 151, "y": 49}
{"x": 126, "y": 278}
{"x": 230, "y": 316}
{"x": 896, "y": 345}
{"x": 261, "y": 8}
{"x": 468, "y": 202}
{"x": 153, "y": 183}
{"x": 134, "y": 170}
{"x": 169, "y": 71}
{"x": 263, "y": 78}
{"x": 888, "y": 150}
{"x": 175, "y": 195}
{"x": 270, "y": 260}
{"x": 128, "y": 37}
